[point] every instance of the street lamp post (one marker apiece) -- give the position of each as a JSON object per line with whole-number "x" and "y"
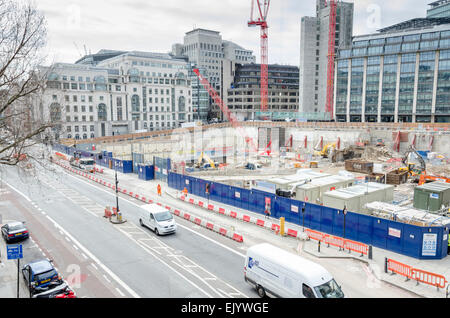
{"x": 116, "y": 181}
{"x": 303, "y": 216}
{"x": 345, "y": 213}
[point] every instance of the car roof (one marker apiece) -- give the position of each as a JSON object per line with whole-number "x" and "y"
{"x": 41, "y": 266}
{"x": 153, "y": 208}
{"x": 15, "y": 224}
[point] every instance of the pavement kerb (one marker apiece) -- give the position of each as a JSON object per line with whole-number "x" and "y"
{"x": 235, "y": 236}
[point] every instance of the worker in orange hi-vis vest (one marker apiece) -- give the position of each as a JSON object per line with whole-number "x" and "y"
{"x": 185, "y": 191}
{"x": 159, "y": 189}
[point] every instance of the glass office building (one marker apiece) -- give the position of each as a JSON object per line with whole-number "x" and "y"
{"x": 401, "y": 74}
{"x": 439, "y": 9}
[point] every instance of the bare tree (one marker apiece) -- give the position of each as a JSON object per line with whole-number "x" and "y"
{"x": 22, "y": 37}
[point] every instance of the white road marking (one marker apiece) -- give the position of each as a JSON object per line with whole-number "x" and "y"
{"x": 120, "y": 292}
{"x": 184, "y": 227}
{"x": 96, "y": 260}
{"x": 93, "y": 265}
{"x": 106, "y": 278}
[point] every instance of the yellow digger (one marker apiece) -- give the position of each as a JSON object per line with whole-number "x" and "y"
{"x": 204, "y": 157}
{"x": 325, "y": 152}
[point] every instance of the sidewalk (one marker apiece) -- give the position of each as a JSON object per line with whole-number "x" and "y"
{"x": 376, "y": 265}
{"x": 8, "y": 276}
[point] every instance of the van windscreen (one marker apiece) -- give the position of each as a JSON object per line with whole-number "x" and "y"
{"x": 163, "y": 216}
{"x": 329, "y": 290}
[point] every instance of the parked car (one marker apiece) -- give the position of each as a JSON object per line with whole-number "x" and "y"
{"x": 41, "y": 276}
{"x": 56, "y": 290}
{"x": 14, "y": 231}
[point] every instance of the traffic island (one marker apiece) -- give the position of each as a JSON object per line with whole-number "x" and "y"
{"x": 114, "y": 216}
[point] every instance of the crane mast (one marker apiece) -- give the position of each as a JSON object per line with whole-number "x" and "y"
{"x": 261, "y": 21}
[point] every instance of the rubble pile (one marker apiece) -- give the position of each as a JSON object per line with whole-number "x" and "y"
{"x": 377, "y": 153}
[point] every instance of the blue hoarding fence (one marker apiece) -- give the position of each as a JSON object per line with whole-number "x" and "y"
{"x": 162, "y": 168}
{"x": 411, "y": 240}
{"x": 146, "y": 172}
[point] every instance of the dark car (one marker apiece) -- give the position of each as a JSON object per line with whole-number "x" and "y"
{"x": 14, "y": 231}
{"x": 41, "y": 276}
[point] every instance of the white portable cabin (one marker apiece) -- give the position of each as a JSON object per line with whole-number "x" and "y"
{"x": 288, "y": 182}
{"x": 313, "y": 191}
{"x": 356, "y": 197}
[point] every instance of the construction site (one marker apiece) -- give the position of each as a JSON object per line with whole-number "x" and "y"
{"x": 329, "y": 164}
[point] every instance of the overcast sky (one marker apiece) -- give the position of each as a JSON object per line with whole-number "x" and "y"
{"x": 154, "y": 25}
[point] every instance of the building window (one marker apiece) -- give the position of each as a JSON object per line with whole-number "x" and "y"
{"x": 102, "y": 114}
{"x": 135, "y": 103}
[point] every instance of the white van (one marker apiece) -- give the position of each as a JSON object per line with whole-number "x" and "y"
{"x": 157, "y": 219}
{"x": 277, "y": 273}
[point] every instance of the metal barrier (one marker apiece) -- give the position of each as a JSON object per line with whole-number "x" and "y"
{"x": 338, "y": 242}
{"x": 420, "y": 276}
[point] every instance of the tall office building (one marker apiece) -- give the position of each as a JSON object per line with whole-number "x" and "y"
{"x": 244, "y": 98}
{"x": 400, "y": 74}
{"x": 314, "y": 36}
{"x": 439, "y": 9}
{"x": 205, "y": 49}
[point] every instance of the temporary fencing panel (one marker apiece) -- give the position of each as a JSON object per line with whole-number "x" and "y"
{"x": 379, "y": 237}
{"x": 406, "y": 239}
{"x": 326, "y": 224}
{"x": 162, "y": 168}
{"x": 315, "y": 216}
{"x": 365, "y": 228}
{"x": 138, "y": 159}
{"x": 351, "y": 226}
{"x": 394, "y": 237}
{"x": 412, "y": 239}
{"x": 146, "y": 172}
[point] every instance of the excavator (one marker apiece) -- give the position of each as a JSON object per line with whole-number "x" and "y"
{"x": 325, "y": 152}
{"x": 205, "y": 157}
{"x": 414, "y": 172}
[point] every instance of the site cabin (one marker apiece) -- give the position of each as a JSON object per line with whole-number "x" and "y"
{"x": 277, "y": 273}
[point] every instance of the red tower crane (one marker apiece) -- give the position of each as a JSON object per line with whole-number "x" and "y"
{"x": 331, "y": 57}
{"x": 263, "y": 9}
{"x": 224, "y": 108}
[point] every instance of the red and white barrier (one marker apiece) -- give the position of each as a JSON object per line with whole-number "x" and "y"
{"x": 198, "y": 221}
{"x": 275, "y": 227}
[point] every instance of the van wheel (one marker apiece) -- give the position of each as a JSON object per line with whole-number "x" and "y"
{"x": 156, "y": 231}
{"x": 261, "y": 292}
{"x": 140, "y": 222}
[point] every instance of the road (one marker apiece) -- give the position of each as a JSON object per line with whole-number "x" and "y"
{"x": 65, "y": 215}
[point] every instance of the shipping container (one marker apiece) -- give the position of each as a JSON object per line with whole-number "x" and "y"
{"x": 432, "y": 196}
{"x": 360, "y": 166}
{"x": 397, "y": 177}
